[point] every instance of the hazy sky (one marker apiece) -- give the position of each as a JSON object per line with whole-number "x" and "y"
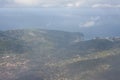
{"x": 61, "y": 3}
{"x": 92, "y": 17}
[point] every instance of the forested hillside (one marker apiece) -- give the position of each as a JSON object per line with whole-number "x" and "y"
{"x": 57, "y": 55}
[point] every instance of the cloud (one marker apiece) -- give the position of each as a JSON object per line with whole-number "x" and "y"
{"x": 59, "y": 3}
{"x": 18, "y": 3}
{"x": 26, "y": 2}
{"x": 70, "y": 5}
{"x": 105, "y": 6}
{"x": 42, "y": 3}
{"x": 79, "y": 3}
{"x": 75, "y": 4}
{"x": 90, "y": 23}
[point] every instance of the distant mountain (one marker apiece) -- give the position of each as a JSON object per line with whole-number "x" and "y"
{"x": 24, "y": 39}
{"x": 37, "y": 54}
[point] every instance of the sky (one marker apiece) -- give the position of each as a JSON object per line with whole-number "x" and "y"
{"x": 91, "y": 17}
{"x": 60, "y": 3}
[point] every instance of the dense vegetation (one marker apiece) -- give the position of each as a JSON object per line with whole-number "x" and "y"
{"x": 57, "y": 55}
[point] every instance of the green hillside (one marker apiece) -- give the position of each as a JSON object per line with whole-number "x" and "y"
{"x": 57, "y": 55}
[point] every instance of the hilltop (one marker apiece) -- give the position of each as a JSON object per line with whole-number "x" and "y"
{"x": 36, "y": 54}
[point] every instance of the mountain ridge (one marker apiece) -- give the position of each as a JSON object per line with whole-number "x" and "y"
{"x": 57, "y": 55}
